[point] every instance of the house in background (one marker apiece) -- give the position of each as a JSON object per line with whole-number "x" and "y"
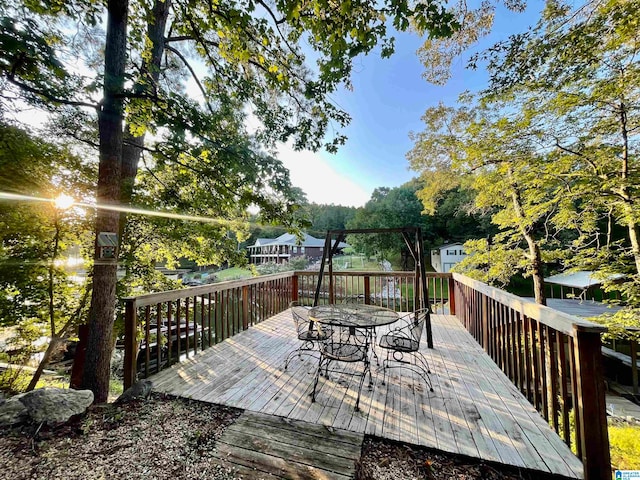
{"x": 286, "y": 247}
{"x": 444, "y": 257}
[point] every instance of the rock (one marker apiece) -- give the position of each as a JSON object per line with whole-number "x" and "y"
{"x": 13, "y": 412}
{"x": 53, "y": 405}
{"x": 140, "y": 389}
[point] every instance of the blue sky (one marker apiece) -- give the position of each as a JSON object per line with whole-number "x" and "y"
{"x": 389, "y": 96}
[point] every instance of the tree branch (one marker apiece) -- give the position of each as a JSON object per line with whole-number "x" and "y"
{"x": 193, "y": 74}
{"x": 49, "y": 96}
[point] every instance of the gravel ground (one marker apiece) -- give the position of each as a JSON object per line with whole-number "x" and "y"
{"x": 161, "y": 438}
{"x": 386, "y": 460}
{"x": 168, "y": 438}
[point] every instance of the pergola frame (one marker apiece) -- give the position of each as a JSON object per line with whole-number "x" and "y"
{"x": 412, "y": 237}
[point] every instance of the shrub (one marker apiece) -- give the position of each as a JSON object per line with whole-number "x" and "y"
{"x": 625, "y": 446}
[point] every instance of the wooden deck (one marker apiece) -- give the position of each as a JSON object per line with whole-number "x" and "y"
{"x": 266, "y": 447}
{"x": 475, "y": 410}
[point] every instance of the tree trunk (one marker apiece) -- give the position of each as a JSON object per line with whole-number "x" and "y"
{"x": 110, "y": 121}
{"x": 53, "y": 344}
{"x": 535, "y": 257}
{"x": 536, "y": 270}
{"x": 132, "y": 147}
{"x": 634, "y": 237}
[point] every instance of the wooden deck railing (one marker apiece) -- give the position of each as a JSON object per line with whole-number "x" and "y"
{"x": 163, "y": 328}
{"x": 553, "y": 358}
{"x": 387, "y": 289}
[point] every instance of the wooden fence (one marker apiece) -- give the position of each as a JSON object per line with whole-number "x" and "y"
{"x": 553, "y": 358}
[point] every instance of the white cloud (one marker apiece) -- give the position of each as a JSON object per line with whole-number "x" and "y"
{"x": 322, "y": 184}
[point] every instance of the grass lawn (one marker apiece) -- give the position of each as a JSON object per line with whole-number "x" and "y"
{"x": 355, "y": 263}
{"x": 234, "y": 273}
{"x": 625, "y": 446}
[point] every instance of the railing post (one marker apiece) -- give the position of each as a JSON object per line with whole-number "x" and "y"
{"x": 245, "y": 307}
{"x": 452, "y": 296}
{"x": 484, "y": 306}
{"x": 594, "y": 437}
{"x": 294, "y": 287}
{"x": 367, "y": 289}
{"x": 130, "y": 342}
{"x": 634, "y": 365}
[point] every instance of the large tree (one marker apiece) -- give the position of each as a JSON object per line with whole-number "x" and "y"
{"x": 492, "y": 148}
{"x": 250, "y": 57}
{"x": 579, "y": 72}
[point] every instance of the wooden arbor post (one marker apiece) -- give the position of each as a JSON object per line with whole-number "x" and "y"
{"x": 416, "y": 248}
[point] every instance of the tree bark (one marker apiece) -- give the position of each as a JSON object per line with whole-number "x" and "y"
{"x": 53, "y": 344}
{"x": 634, "y": 238}
{"x": 536, "y": 270}
{"x": 110, "y": 122}
{"x": 132, "y": 147}
{"x": 146, "y": 84}
{"x": 535, "y": 256}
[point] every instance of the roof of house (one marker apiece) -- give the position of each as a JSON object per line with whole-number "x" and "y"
{"x": 580, "y": 279}
{"x": 448, "y": 245}
{"x": 290, "y": 239}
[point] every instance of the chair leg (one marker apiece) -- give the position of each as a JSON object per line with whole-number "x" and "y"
{"x": 373, "y": 337}
{"x": 317, "y": 377}
{"x": 306, "y": 348}
{"x": 367, "y": 370}
{"x": 421, "y": 369}
{"x": 423, "y": 361}
{"x": 385, "y": 365}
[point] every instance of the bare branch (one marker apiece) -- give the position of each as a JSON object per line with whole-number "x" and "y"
{"x": 193, "y": 75}
{"x": 49, "y": 96}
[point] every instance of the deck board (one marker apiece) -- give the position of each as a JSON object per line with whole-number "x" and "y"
{"x": 474, "y": 410}
{"x": 266, "y": 446}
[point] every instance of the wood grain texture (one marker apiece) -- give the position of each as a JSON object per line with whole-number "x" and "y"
{"x": 474, "y": 410}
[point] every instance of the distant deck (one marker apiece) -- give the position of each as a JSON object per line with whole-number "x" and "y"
{"x": 475, "y": 410}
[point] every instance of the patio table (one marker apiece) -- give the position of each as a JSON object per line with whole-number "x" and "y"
{"x": 353, "y": 315}
{"x": 353, "y": 327}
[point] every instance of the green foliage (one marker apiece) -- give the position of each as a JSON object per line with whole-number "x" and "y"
{"x": 296, "y": 263}
{"x": 577, "y": 78}
{"x": 387, "y": 208}
{"x": 438, "y": 54}
{"x": 551, "y": 147}
{"x": 14, "y": 380}
{"x": 490, "y": 148}
{"x": 34, "y": 234}
{"x": 493, "y": 264}
{"x": 625, "y": 448}
{"x": 21, "y": 344}
{"x": 252, "y": 53}
{"x": 328, "y": 217}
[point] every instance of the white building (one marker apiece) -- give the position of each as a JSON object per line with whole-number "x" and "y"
{"x": 444, "y": 257}
{"x": 286, "y": 247}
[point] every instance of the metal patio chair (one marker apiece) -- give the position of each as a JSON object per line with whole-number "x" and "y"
{"x": 308, "y": 333}
{"x": 403, "y": 345}
{"x": 345, "y": 344}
